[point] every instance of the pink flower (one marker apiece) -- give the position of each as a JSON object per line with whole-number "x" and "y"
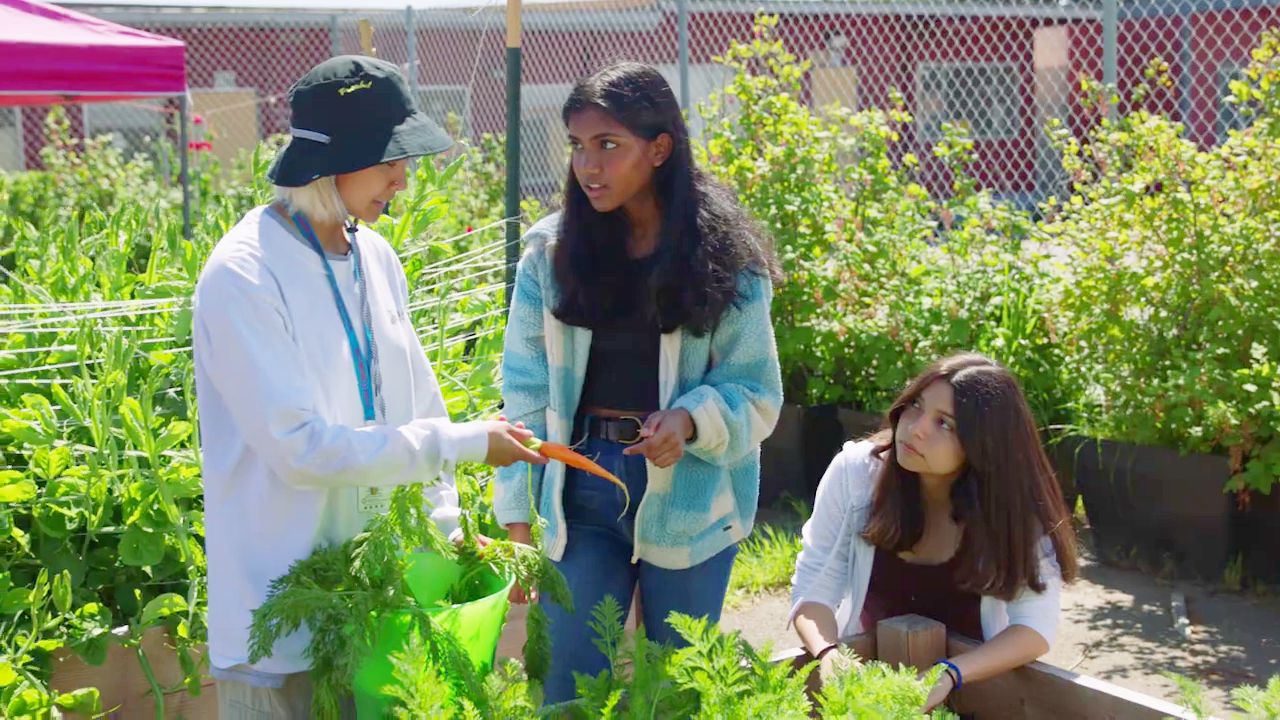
{"x": 200, "y": 146}
{"x": 197, "y": 119}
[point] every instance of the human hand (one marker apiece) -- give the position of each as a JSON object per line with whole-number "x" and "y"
{"x": 939, "y": 692}
{"x": 507, "y": 444}
{"x": 523, "y": 534}
{"x": 665, "y": 434}
{"x": 831, "y": 665}
{"x": 481, "y": 540}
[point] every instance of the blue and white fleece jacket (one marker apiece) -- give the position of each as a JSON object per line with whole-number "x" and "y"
{"x": 728, "y": 380}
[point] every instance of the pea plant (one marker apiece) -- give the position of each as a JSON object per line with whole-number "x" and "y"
{"x": 101, "y": 496}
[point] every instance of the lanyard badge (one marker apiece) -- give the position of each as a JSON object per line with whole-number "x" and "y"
{"x": 363, "y": 361}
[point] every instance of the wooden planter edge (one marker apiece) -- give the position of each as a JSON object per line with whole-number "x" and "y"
{"x": 124, "y": 688}
{"x": 1036, "y": 690}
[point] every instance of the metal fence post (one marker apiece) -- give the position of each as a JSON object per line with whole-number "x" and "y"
{"x": 335, "y": 39}
{"x": 1110, "y": 38}
{"x": 1186, "y": 63}
{"x": 683, "y": 24}
{"x": 411, "y": 45}
{"x": 513, "y": 147}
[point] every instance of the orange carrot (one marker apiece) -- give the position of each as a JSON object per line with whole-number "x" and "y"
{"x": 571, "y": 457}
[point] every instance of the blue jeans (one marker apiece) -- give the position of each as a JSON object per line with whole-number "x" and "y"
{"x": 597, "y": 562}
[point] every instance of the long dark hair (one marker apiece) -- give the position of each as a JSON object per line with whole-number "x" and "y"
{"x": 1006, "y": 496}
{"x": 706, "y": 238}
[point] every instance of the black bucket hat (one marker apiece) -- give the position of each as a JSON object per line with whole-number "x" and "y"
{"x": 348, "y": 113}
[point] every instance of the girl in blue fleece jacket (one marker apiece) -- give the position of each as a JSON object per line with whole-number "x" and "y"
{"x": 639, "y": 332}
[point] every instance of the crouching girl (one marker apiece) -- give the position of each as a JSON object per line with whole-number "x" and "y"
{"x": 952, "y": 512}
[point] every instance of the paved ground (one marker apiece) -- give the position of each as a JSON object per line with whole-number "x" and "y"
{"x": 1117, "y": 626}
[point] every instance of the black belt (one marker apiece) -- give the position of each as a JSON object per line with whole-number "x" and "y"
{"x": 625, "y": 430}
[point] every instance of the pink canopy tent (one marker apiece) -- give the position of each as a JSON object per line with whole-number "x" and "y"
{"x": 58, "y": 55}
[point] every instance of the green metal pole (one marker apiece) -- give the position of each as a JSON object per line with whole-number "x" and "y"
{"x": 513, "y": 146}
{"x": 185, "y": 154}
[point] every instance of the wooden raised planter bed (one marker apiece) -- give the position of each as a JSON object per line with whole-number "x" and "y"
{"x": 795, "y": 456}
{"x": 1152, "y": 503}
{"x": 124, "y": 688}
{"x": 1036, "y": 690}
{"x": 1255, "y": 531}
{"x": 782, "y": 461}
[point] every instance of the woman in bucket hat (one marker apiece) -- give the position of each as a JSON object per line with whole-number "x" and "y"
{"x": 315, "y": 394}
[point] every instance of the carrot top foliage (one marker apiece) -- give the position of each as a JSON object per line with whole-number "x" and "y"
{"x": 341, "y": 593}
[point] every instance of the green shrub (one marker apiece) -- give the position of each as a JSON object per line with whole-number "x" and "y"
{"x": 101, "y": 507}
{"x": 1171, "y": 280}
{"x": 882, "y": 278}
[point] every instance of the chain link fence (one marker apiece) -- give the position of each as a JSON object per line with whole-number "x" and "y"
{"x": 1004, "y": 69}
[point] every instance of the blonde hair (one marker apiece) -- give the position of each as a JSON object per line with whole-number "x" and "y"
{"x": 319, "y": 200}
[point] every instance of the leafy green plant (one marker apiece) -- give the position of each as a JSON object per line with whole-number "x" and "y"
{"x": 1258, "y": 703}
{"x": 82, "y": 179}
{"x": 638, "y": 681}
{"x": 1170, "y": 263}
{"x": 101, "y": 495}
{"x": 420, "y": 690}
{"x": 811, "y": 184}
{"x": 1191, "y": 694}
{"x": 732, "y": 679}
{"x": 882, "y": 277}
{"x": 343, "y": 593}
{"x": 876, "y": 690}
{"x": 717, "y": 675}
{"x": 765, "y": 562}
{"x": 98, "y": 427}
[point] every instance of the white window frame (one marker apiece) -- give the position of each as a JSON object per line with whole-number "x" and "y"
{"x": 225, "y": 80}
{"x": 20, "y": 145}
{"x": 927, "y": 133}
{"x": 464, "y": 111}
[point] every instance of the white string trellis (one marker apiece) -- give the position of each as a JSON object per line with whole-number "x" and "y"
{"x": 53, "y": 318}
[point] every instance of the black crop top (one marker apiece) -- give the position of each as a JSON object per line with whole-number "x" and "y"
{"x": 622, "y": 369}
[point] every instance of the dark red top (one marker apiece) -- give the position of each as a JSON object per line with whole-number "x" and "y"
{"x": 902, "y": 588}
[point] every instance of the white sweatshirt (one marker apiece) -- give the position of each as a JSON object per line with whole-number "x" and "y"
{"x": 834, "y": 564}
{"x": 288, "y": 462}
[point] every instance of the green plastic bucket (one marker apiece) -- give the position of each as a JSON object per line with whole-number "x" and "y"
{"x": 477, "y": 625}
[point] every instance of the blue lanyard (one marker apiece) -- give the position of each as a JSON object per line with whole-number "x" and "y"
{"x": 363, "y": 361}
